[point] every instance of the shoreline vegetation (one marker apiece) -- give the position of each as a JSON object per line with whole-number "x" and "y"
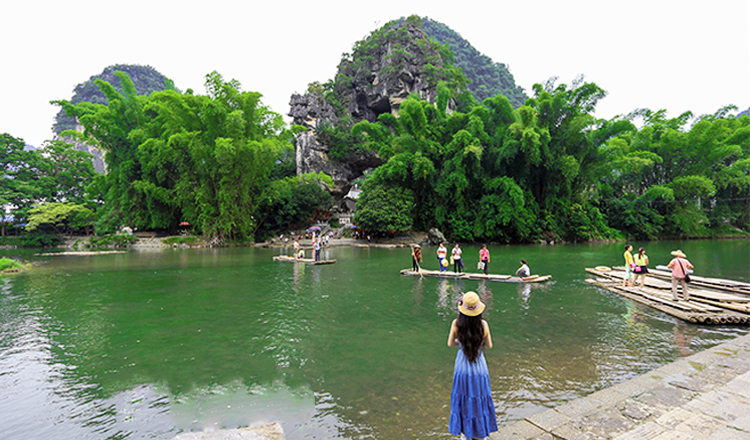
{"x": 223, "y": 165}
{"x": 94, "y": 245}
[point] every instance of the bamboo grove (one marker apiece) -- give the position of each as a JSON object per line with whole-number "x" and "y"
{"x": 222, "y": 162}
{"x": 551, "y": 170}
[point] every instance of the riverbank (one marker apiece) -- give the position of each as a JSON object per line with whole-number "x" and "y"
{"x": 703, "y": 396}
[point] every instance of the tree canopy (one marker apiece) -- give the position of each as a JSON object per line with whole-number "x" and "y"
{"x": 174, "y": 157}
{"x": 486, "y": 77}
{"x": 54, "y": 173}
{"x": 550, "y": 169}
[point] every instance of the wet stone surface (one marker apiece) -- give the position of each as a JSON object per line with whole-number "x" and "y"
{"x": 704, "y": 396}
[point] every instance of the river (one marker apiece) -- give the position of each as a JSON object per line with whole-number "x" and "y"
{"x": 148, "y": 344}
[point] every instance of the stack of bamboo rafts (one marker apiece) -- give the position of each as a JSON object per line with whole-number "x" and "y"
{"x": 476, "y": 276}
{"x": 713, "y": 301}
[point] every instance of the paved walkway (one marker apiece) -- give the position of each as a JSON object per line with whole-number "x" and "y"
{"x": 704, "y": 396}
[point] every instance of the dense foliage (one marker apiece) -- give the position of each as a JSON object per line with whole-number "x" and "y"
{"x": 486, "y": 77}
{"x": 549, "y": 169}
{"x": 55, "y": 215}
{"x": 393, "y": 50}
{"x": 174, "y": 157}
{"x": 55, "y": 173}
{"x": 146, "y": 80}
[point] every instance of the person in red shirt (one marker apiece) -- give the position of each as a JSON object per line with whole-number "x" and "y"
{"x": 484, "y": 257}
{"x": 679, "y": 266}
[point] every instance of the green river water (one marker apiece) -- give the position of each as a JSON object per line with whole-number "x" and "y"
{"x": 148, "y": 344}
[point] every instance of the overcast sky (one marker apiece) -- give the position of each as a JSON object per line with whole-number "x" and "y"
{"x": 677, "y": 55}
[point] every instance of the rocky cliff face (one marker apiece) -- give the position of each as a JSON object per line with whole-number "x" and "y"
{"x": 311, "y": 111}
{"x": 97, "y": 155}
{"x": 383, "y": 70}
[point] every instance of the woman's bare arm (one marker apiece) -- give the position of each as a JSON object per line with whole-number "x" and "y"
{"x": 452, "y": 335}
{"x": 487, "y": 335}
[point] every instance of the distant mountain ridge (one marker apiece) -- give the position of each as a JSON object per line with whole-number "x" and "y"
{"x": 487, "y": 77}
{"x": 146, "y": 79}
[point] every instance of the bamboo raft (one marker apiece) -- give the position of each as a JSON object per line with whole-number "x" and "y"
{"x": 302, "y": 260}
{"x": 705, "y": 306}
{"x": 476, "y": 276}
{"x": 712, "y": 283}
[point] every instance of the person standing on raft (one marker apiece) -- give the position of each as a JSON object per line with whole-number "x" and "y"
{"x": 629, "y": 264}
{"x": 472, "y": 409}
{"x": 641, "y": 267}
{"x": 679, "y": 266}
{"x": 416, "y": 257}
{"x": 458, "y": 265}
{"x": 442, "y": 252}
{"x": 484, "y": 258}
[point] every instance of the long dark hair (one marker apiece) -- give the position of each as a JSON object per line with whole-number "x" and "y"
{"x": 470, "y": 335}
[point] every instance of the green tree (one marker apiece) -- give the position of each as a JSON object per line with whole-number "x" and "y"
{"x": 176, "y": 157}
{"x": 56, "y": 215}
{"x": 295, "y": 201}
{"x": 22, "y": 174}
{"x": 386, "y": 209}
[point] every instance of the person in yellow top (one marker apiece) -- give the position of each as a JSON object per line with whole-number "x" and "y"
{"x": 641, "y": 266}
{"x": 629, "y": 264}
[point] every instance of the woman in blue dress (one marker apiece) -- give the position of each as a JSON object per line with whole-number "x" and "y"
{"x": 472, "y": 409}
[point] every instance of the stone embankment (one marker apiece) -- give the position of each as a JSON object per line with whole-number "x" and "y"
{"x": 703, "y": 396}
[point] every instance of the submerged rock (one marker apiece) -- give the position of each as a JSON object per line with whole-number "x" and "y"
{"x": 269, "y": 431}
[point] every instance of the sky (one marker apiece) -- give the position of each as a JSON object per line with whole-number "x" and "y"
{"x": 677, "y": 55}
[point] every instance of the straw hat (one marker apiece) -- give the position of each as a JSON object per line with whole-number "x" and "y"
{"x": 679, "y": 253}
{"x": 417, "y": 246}
{"x": 470, "y": 305}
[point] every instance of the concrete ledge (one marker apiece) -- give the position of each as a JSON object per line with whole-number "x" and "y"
{"x": 703, "y": 396}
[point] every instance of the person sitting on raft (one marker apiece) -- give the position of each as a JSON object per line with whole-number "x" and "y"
{"x": 524, "y": 270}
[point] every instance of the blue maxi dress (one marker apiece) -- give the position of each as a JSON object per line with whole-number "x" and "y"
{"x": 472, "y": 409}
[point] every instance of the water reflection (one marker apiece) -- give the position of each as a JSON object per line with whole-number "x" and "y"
{"x": 524, "y": 294}
{"x": 682, "y": 338}
{"x": 418, "y": 291}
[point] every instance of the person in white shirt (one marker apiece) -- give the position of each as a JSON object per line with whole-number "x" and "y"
{"x": 458, "y": 263}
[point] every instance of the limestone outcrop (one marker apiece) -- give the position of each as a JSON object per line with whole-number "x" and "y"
{"x": 97, "y": 158}
{"x": 394, "y": 62}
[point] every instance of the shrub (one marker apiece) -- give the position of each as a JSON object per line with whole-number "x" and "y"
{"x": 189, "y": 240}
{"x": 118, "y": 240}
{"x": 9, "y": 263}
{"x": 40, "y": 239}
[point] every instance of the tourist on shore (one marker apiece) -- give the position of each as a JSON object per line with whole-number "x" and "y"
{"x": 641, "y": 267}
{"x": 316, "y": 245}
{"x": 442, "y": 253}
{"x": 629, "y": 264}
{"x": 296, "y": 248}
{"x": 458, "y": 264}
{"x": 472, "y": 409}
{"x": 416, "y": 257}
{"x": 679, "y": 266}
{"x": 484, "y": 259}
{"x": 524, "y": 270}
